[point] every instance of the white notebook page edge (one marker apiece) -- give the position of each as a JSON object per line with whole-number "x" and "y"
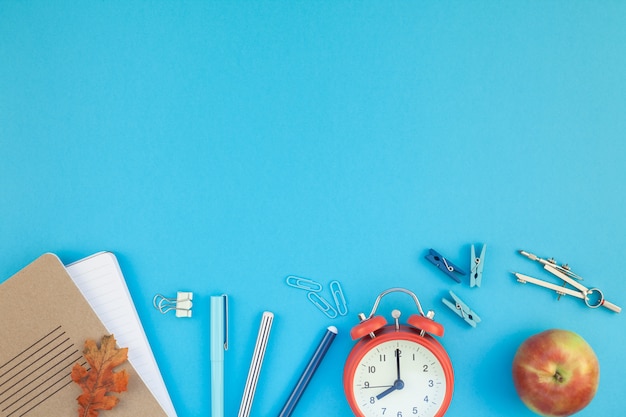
{"x": 99, "y": 278}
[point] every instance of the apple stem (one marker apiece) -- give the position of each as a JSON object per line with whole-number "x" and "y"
{"x": 558, "y": 377}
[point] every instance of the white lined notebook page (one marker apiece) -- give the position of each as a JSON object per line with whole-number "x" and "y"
{"x": 102, "y": 283}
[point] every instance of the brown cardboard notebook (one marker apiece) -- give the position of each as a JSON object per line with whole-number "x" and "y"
{"x": 44, "y": 322}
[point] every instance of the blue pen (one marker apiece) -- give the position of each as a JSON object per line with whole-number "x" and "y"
{"x": 219, "y": 343}
{"x": 310, "y": 369}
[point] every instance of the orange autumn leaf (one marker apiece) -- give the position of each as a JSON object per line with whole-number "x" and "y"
{"x": 100, "y": 379}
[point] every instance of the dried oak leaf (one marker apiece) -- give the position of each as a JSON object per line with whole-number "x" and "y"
{"x": 100, "y": 379}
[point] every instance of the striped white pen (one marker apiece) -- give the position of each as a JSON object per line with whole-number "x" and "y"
{"x": 255, "y": 365}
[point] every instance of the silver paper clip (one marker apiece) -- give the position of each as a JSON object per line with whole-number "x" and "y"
{"x": 314, "y": 290}
{"x": 462, "y": 310}
{"x": 182, "y": 304}
{"x": 323, "y": 305}
{"x": 303, "y": 283}
{"x": 339, "y": 298}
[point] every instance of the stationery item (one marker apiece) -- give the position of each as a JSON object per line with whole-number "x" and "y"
{"x": 181, "y": 304}
{"x": 257, "y": 361}
{"x": 314, "y": 289}
{"x": 339, "y": 298}
{"x": 593, "y": 297}
{"x": 41, "y": 340}
{"x": 219, "y": 343}
{"x": 322, "y": 304}
{"x": 100, "y": 280}
{"x": 398, "y": 369}
{"x": 309, "y": 371}
{"x": 303, "y": 283}
{"x": 477, "y": 265}
{"x": 462, "y": 310}
{"x": 444, "y": 265}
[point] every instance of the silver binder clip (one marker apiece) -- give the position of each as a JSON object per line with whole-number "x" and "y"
{"x": 462, "y": 310}
{"x": 181, "y": 304}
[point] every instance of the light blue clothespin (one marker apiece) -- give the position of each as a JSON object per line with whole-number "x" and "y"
{"x": 462, "y": 310}
{"x": 477, "y": 265}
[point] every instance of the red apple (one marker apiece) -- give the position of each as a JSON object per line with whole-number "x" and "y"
{"x": 556, "y": 373}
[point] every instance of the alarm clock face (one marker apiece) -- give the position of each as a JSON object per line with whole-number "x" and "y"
{"x": 400, "y": 378}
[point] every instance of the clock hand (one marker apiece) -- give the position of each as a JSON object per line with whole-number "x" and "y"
{"x": 398, "y": 363}
{"x": 386, "y": 392}
{"x": 399, "y": 384}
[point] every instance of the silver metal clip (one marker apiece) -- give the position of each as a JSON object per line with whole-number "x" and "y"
{"x": 182, "y": 304}
{"x": 225, "y": 321}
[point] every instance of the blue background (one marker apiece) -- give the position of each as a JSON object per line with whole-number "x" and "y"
{"x": 221, "y": 146}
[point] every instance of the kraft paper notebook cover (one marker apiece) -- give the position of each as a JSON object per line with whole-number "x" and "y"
{"x": 44, "y": 322}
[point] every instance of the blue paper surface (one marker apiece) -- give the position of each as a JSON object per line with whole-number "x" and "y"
{"x": 218, "y": 147}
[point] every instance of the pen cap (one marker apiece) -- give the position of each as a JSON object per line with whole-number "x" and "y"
{"x": 218, "y": 327}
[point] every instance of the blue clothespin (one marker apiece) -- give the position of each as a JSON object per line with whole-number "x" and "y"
{"x": 462, "y": 310}
{"x": 477, "y": 266}
{"x": 445, "y": 265}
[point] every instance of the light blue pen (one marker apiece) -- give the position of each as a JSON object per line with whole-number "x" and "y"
{"x": 219, "y": 343}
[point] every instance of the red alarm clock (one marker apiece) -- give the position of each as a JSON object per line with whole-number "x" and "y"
{"x": 398, "y": 370}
